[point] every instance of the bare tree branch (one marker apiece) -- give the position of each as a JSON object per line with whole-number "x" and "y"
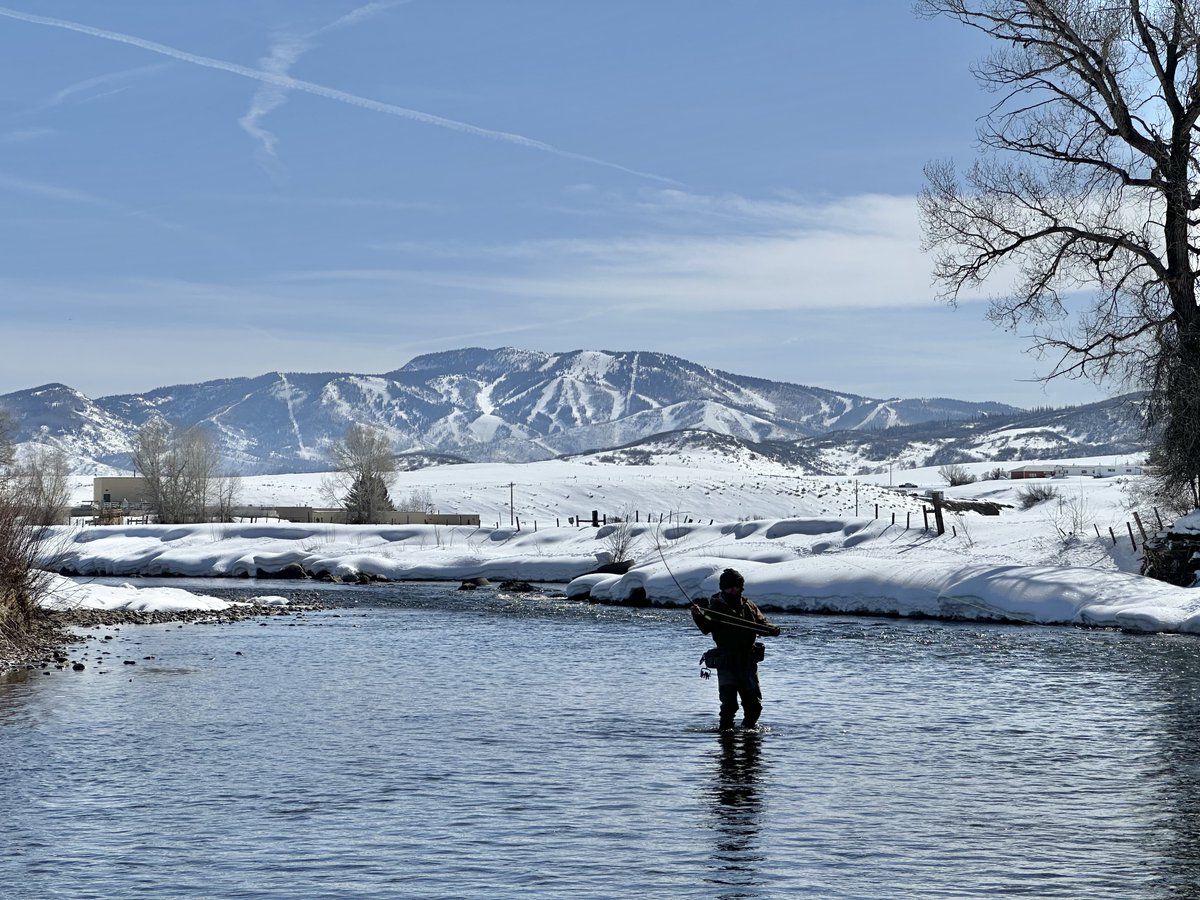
{"x": 1091, "y": 233}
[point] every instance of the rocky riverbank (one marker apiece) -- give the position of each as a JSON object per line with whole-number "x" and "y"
{"x": 52, "y": 631}
{"x": 45, "y": 637}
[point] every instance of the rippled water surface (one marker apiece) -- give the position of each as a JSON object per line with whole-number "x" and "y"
{"x": 420, "y": 742}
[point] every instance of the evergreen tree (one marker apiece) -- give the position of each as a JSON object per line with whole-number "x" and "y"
{"x": 366, "y": 499}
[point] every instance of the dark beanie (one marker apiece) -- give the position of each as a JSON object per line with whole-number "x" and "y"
{"x": 732, "y": 578}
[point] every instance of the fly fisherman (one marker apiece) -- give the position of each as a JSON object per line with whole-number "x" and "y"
{"x": 734, "y": 622}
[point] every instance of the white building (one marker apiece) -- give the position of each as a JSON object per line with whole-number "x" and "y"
{"x": 1096, "y": 471}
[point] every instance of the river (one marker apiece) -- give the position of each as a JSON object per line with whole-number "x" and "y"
{"x": 414, "y": 741}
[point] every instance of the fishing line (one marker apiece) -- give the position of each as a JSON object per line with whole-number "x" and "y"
{"x": 711, "y": 614}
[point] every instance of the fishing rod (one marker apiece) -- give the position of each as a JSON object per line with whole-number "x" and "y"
{"x": 715, "y": 615}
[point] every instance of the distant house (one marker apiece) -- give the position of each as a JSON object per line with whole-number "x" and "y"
{"x": 1039, "y": 470}
{"x": 1098, "y": 471}
{"x": 119, "y": 491}
{"x": 1057, "y": 470}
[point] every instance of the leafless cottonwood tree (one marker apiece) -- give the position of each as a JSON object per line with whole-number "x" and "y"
{"x": 183, "y": 475}
{"x": 1087, "y": 191}
{"x": 364, "y": 471}
{"x": 40, "y": 475}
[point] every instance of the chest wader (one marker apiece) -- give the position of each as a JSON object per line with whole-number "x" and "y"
{"x": 738, "y": 677}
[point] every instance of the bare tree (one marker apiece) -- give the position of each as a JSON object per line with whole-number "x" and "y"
{"x": 41, "y": 477}
{"x": 182, "y": 469}
{"x": 417, "y": 500}
{"x": 1086, "y": 193}
{"x": 620, "y": 536}
{"x": 33, "y": 492}
{"x": 955, "y": 475}
{"x": 8, "y": 431}
{"x": 364, "y": 471}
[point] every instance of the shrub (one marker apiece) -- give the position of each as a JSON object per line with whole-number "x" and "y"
{"x": 955, "y": 475}
{"x": 1036, "y": 493}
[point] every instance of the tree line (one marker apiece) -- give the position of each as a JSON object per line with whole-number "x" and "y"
{"x": 185, "y": 480}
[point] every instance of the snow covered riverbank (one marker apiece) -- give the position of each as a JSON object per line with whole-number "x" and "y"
{"x": 1055, "y": 563}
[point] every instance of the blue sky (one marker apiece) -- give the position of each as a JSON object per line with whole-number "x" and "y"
{"x": 204, "y": 190}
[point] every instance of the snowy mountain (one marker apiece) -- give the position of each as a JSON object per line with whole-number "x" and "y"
{"x": 491, "y": 405}
{"x": 57, "y": 414}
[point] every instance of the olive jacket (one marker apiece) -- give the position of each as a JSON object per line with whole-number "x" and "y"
{"x": 724, "y": 621}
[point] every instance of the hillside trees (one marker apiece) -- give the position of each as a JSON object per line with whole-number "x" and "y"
{"x": 364, "y": 472}
{"x": 1087, "y": 193}
{"x": 183, "y": 472}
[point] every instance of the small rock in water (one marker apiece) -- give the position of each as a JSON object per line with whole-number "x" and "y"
{"x": 520, "y": 587}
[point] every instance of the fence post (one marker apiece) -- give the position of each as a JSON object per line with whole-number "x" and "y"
{"x": 1112, "y": 534}
{"x": 908, "y": 520}
{"x": 1141, "y": 527}
{"x": 1159, "y": 518}
{"x": 1131, "y": 540}
{"x": 877, "y": 510}
{"x": 935, "y": 497}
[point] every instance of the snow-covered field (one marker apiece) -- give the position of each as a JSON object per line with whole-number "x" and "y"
{"x": 803, "y": 543}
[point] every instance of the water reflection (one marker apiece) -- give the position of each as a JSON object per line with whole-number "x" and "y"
{"x": 737, "y": 812}
{"x": 1179, "y": 789}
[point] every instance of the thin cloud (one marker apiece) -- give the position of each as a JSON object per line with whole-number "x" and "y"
{"x": 52, "y": 192}
{"x": 72, "y": 195}
{"x": 328, "y": 93}
{"x": 851, "y": 253}
{"x": 88, "y": 84}
{"x": 284, "y": 54}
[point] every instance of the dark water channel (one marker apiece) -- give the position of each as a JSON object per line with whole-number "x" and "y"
{"x": 418, "y": 742}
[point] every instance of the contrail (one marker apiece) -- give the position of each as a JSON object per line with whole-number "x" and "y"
{"x": 318, "y": 90}
{"x": 283, "y": 55}
{"x": 101, "y": 80}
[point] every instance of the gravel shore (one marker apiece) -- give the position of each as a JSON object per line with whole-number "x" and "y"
{"x": 53, "y": 630}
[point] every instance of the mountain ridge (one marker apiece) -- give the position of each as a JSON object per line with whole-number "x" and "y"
{"x": 502, "y": 404}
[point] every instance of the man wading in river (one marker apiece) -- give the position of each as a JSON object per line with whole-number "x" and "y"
{"x": 734, "y": 623}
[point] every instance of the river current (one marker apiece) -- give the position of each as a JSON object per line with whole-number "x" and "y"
{"x": 415, "y": 741}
